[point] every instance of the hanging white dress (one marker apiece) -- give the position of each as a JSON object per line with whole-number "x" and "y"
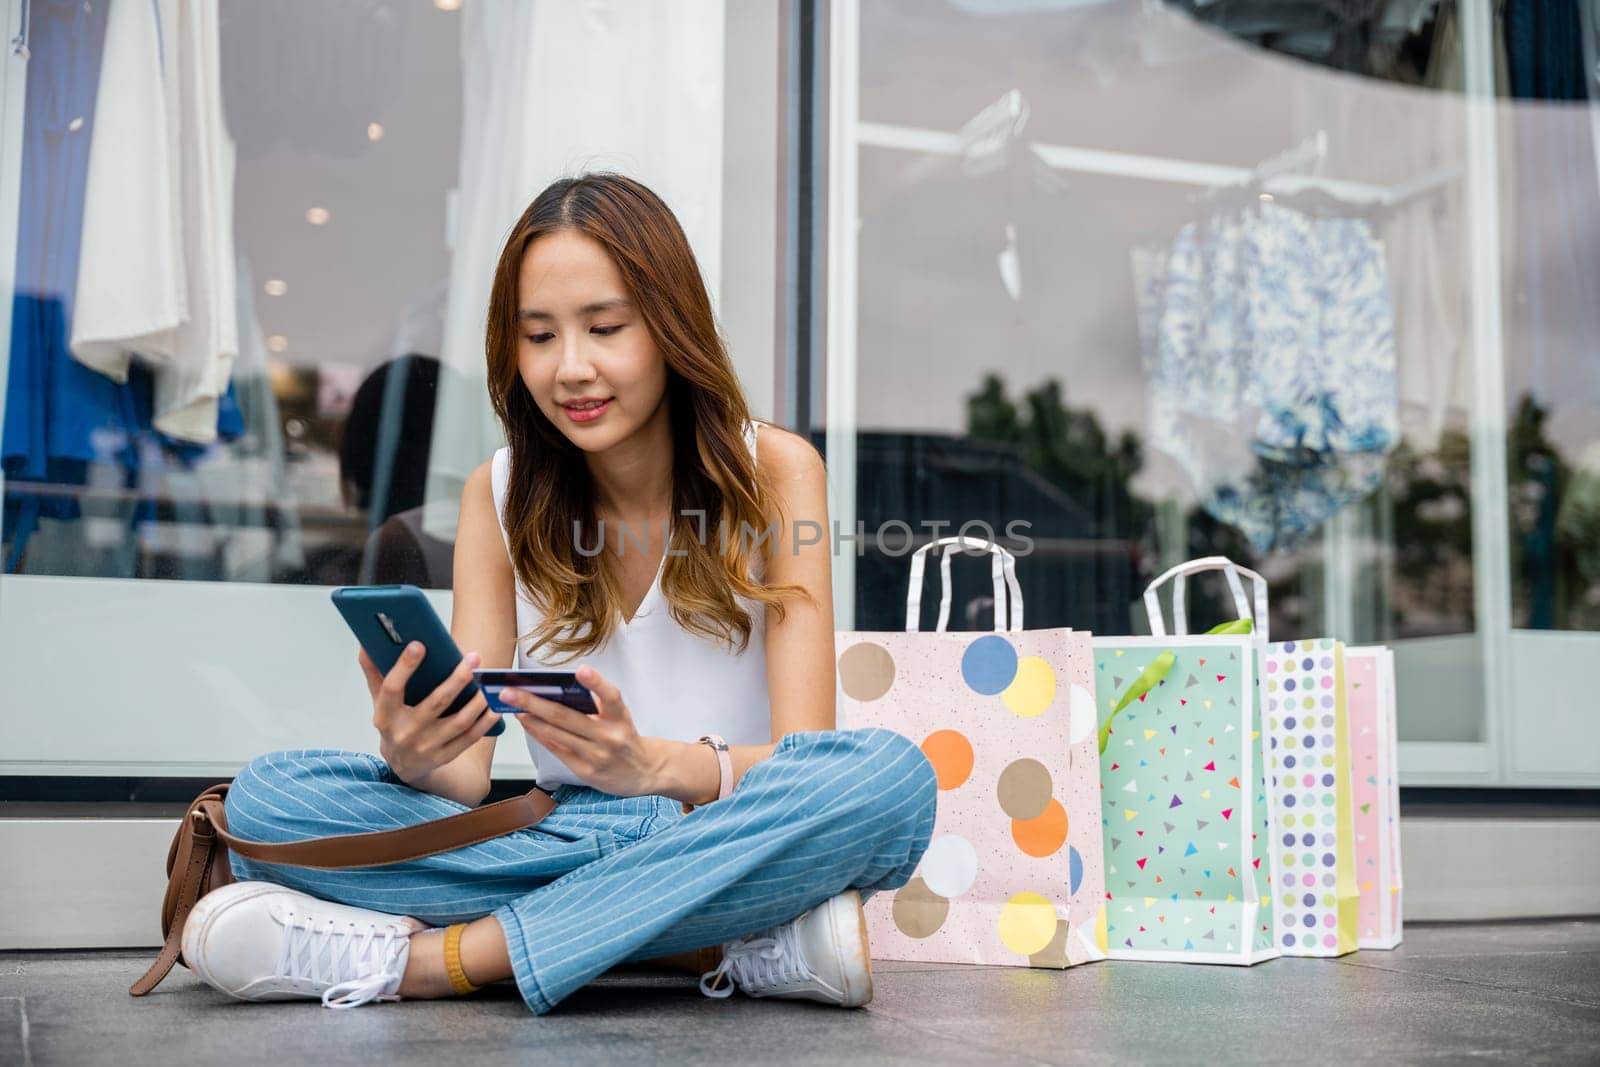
{"x": 553, "y": 88}
{"x": 156, "y": 270}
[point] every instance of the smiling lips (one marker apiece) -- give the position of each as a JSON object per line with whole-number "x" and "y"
{"x": 586, "y": 410}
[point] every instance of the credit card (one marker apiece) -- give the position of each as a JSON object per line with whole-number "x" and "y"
{"x": 562, "y": 687}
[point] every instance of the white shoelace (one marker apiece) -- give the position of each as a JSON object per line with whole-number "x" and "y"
{"x": 324, "y": 952}
{"x": 756, "y": 962}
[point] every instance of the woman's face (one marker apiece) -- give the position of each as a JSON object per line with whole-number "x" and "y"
{"x": 585, "y": 353}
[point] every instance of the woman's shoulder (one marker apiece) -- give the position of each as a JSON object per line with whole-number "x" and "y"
{"x": 494, "y": 473}
{"x": 484, "y": 491}
{"x": 784, "y": 454}
{"x": 480, "y": 482}
{"x": 794, "y": 470}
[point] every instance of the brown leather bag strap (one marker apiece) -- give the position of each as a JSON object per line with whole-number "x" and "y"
{"x": 379, "y": 847}
{"x": 194, "y": 850}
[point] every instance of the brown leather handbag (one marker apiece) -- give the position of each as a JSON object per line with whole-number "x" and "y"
{"x": 197, "y": 862}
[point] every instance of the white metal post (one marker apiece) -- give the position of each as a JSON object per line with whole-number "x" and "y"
{"x": 844, "y": 80}
{"x": 1340, "y": 535}
{"x": 1491, "y": 539}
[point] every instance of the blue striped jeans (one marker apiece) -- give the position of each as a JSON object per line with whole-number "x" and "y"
{"x": 605, "y": 880}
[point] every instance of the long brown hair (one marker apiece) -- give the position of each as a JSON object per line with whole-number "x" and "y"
{"x": 549, "y": 495}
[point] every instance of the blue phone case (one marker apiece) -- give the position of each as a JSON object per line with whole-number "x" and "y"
{"x": 385, "y": 618}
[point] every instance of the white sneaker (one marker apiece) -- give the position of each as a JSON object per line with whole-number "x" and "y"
{"x": 260, "y": 941}
{"x": 822, "y": 955}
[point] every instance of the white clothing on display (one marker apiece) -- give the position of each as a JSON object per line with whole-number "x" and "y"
{"x": 160, "y": 197}
{"x": 240, "y": 508}
{"x": 554, "y": 88}
{"x": 187, "y": 391}
{"x": 677, "y": 685}
{"x": 131, "y": 203}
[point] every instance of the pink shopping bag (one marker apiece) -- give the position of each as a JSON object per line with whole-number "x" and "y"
{"x": 1013, "y": 873}
{"x": 1374, "y": 749}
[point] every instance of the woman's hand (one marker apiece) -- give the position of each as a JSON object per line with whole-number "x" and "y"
{"x": 605, "y": 750}
{"x": 413, "y": 739}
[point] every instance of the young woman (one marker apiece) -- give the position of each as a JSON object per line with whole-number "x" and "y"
{"x": 634, "y": 524}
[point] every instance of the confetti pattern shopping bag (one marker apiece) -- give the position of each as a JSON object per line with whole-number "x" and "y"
{"x": 1315, "y": 897}
{"x": 1183, "y": 789}
{"x": 1013, "y": 872}
{"x": 1374, "y": 773}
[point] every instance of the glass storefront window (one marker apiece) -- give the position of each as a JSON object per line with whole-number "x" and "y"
{"x": 1280, "y": 282}
{"x": 252, "y": 247}
{"x": 1308, "y": 285}
{"x": 357, "y": 167}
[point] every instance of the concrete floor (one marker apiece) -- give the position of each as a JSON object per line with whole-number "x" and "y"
{"x": 1524, "y": 992}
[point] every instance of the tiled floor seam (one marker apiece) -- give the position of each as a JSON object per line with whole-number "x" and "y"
{"x": 1504, "y": 1054}
{"x": 1351, "y": 962}
{"x": 22, "y": 1029}
{"x": 1378, "y": 955}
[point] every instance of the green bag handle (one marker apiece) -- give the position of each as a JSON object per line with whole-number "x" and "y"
{"x": 1154, "y": 674}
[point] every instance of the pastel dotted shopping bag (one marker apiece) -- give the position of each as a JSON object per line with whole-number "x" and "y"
{"x": 1012, "y": 874}
{"x": 1315, "y": 897}
{"x": 1184, "y": 792}
{"x": 1374, "y": 776}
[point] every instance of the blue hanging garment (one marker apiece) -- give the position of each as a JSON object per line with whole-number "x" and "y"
{"x": 1272, "y": 373}
{"x": 54, "y": 405}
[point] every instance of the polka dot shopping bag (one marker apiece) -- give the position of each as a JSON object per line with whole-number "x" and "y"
{"x": 1013, "y": 872}
{"x": 1315, "y": 897}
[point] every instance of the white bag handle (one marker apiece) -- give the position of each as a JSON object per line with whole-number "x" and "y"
{"x": 1003, "y": 569}
{"x": 1179, "y": 576}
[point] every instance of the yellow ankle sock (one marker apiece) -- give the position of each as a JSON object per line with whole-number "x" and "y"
{"x": 452, "y": 961}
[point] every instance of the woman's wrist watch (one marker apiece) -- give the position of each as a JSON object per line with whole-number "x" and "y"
{"x": 724, "y": 768}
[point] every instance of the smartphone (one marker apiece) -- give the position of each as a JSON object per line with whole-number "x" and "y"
{"x": 385, "y": 618}
{"x": 561, "y": 686}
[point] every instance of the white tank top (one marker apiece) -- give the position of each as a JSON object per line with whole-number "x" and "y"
{"x": 677, "y": 685}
